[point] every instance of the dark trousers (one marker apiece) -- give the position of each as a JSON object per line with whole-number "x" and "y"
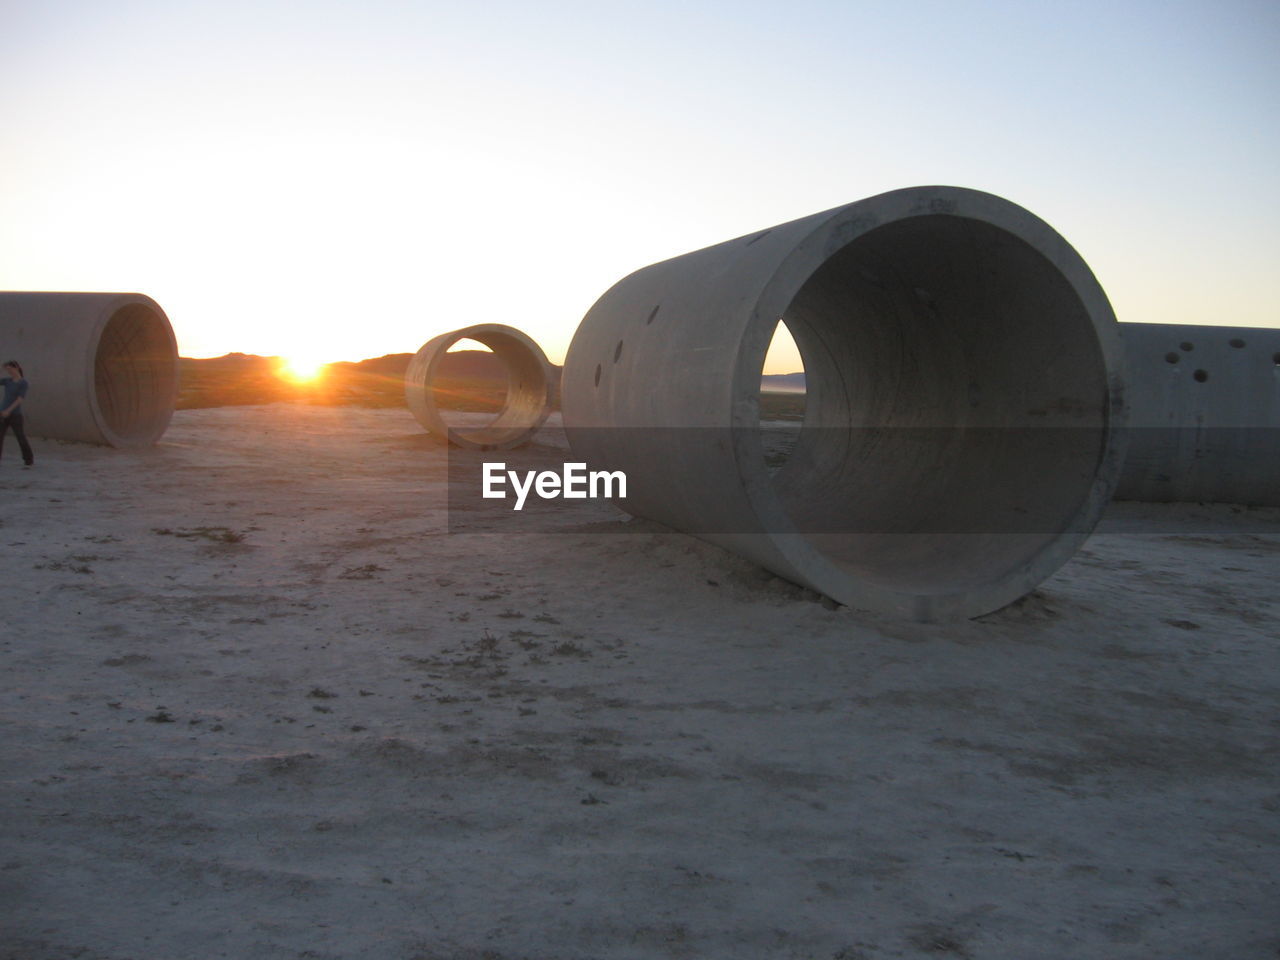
{"x": 15, "y": 420}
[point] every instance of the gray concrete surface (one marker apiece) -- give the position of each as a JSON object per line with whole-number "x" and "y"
{"x": 530, "y": 389}
{"x": 1204, "y": 413}
{"x": 103, "y": 366}
{"x": 964, "y": 382}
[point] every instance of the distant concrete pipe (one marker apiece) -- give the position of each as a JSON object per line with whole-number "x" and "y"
{"x": 1204, "y": 413}
{"x": 529, "y": 387}
{"x": 964, "y": 382}
{"x": 103, "y": 366}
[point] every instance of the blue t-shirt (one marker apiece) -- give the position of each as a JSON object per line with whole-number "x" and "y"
{"x": 13, "y": 389}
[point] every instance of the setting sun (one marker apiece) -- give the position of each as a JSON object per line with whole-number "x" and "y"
{"x": 301, "y": 367}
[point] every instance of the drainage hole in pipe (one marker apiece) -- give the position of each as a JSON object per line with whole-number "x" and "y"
{"x": 782, "y": 399}
{"x": 1201, "y": 376}
{"x": 1275, "y": 358}
{"x": 617, "y": 351}
{"x": 1186, "y": 346}
{"x": 470, "y": 385}
{"x": 1237, "y": 343}
{"x": 1170, "y": 357}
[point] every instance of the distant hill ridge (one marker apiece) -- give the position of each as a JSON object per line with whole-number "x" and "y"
{"x": 475, "y": 379}
{"x": 461, "y": 363}
{"x": 783, "y": 383}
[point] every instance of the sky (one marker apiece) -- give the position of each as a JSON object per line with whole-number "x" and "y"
{"x": 335, "y": 181}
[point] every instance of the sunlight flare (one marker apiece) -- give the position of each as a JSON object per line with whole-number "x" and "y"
{"x": 301, "y": 368}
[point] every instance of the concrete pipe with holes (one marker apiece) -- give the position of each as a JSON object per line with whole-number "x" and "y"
{"x": 103, "y": 366}
{"x": 1204, "y": 413}
{"x": 964, "y": 389}
{"x": 530, "y": 387}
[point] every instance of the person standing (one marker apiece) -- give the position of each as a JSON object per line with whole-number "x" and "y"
{"x": 15, "y": 394}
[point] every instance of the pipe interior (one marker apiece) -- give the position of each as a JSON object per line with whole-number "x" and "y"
{"x": 135, "y": 374}
{"x": 526, "y": 393}
{"x": 956, "y": 406}
{"x": 456, "y": 402}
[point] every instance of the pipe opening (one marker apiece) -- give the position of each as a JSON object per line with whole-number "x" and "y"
{"x": 135, "y": 374}
{"x": 524, "y": 394}
{"x": 956, "y": 392}
{"x": 782, "y": 398}
{"x": 471, "y": 380}
{"x": 517, "y": 394}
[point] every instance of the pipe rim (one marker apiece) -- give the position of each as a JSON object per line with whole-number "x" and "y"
{"x": 529, "y": 387}
{"x": 844, "y": 227}
{"x": 157, "y": 417}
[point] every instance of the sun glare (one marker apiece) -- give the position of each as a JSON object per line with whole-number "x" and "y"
{"x": 300, "y": 368}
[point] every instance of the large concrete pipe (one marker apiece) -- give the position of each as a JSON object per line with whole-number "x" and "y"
{"x": 530, "y": 379}
{"x": 964, "y": 383}
{"x": 103, "y": 366}
{"x": 1204, "y": 413}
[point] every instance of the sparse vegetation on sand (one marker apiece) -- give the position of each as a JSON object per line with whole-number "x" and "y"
{"x": 215, "y": 534}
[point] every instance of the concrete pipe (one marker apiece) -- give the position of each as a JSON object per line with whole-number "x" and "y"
{"x": 1204, "y": 413}
{"x": 964, "y": 382}
{"x": 103, "y": 366}
{"x": 530, "y": 379}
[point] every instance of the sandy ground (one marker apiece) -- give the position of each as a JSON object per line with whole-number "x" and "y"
{"x": 258, "y": 702}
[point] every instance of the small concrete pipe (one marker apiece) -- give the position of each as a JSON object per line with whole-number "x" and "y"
{"x": 103, "y": 366}
{"x": 964, "y": 385}
{"x": 1204, "y": 413}
{"x": 530, "y": 379}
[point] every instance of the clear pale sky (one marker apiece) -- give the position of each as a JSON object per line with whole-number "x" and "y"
{"x": 345, "y": 180}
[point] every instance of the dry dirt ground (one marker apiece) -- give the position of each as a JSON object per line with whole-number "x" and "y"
{"x": 259, "y": 702}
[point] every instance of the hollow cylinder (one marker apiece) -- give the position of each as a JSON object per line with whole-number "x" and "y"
{"x": 103, "y": 366}
{"x": 964, "y": 380}
{"x": 1204, "y": 413}
{"x": 530, "y": 379}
